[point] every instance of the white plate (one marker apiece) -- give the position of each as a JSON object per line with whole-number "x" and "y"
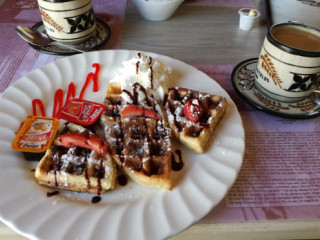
{"x": 129, "y": 212}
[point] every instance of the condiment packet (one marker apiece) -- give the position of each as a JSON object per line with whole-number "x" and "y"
{"x": 81, "y": 111}
{"x": 36, "y": 134}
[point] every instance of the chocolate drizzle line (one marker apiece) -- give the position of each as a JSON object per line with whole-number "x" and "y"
{"x": 50, "y": 194}
{"x": 55, "y": 178}
{"x": 101, "y": 170}
{"x": 86, "y": 174}
{"x": 137, "y": 67}
{"x": 151, "y": 74}
{"x": 151, "y": 78}
{"x": 135, "y": 94}
{"x": 150, "y": 64}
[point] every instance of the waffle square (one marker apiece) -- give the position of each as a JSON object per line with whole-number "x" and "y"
{"x": 76, "y": 168}
{"x": 140, "y": 146}
{"x": 194, "y": 135}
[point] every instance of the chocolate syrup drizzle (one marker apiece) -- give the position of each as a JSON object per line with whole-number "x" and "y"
{"x": 100, "y": 175}
{"x": 151, "y": 77}
{"x": 137, "y": 67}
{"x": 86, "y": 174}
{"x": 177, "y": 166}
{"x": 134, "y": 96}
{"x": 150, "y": 64}
{"x": 55, "y": 178}
{"x": 50, "y": 194}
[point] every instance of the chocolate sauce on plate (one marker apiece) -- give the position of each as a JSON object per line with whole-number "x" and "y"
{"x": 96, "y": 199}
{"x": 50, "y": 194}
{"x": 177, "y": 166}
{"x": 122, "y": 180}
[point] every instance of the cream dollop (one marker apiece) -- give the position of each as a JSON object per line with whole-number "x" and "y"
{"x": 147, "y": 71}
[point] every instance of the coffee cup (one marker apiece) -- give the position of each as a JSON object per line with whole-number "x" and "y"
{"x": 68, "y": 21}
{"x": 288, "y": 69}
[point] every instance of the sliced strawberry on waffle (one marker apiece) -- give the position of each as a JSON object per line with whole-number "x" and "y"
{"x": 93, "y": 142}
{"x": 193, "y": 110}
{"x": 138, "y": 111}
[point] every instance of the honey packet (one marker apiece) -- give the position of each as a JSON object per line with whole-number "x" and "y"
{"x": 36, "y": 134}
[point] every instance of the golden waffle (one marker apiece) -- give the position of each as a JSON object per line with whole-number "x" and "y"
{"x": 76, "y": 168}
{"x": 141, "y": 146}
{"x": 194, "y": 135}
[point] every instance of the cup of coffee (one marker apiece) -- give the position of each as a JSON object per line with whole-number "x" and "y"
{"x": 288, "y": 69}
{"x": 68, "y": 21}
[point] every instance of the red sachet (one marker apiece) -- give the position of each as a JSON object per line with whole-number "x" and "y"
{"x": 81, "y": 111}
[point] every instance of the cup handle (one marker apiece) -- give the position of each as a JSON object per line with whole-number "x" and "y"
{"x": 315, "y": 96}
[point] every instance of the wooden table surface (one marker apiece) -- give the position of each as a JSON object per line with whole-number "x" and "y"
{"x": 208, "y": 35}
{"x": 195, "y": 35}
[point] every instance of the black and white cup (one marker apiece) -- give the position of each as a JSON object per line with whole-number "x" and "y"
{"x": 286, "y": 73}
{"x": 68, "y": 21}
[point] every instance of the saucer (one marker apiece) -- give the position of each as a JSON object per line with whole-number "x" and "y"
{"x": 244, "y": 84}
{"x": 100, "y": 37}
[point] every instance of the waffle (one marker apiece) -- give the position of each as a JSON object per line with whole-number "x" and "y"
{"x": 194, "y": 135}
{"x": 76, "y": 168}
{"x": 140, "y": 146}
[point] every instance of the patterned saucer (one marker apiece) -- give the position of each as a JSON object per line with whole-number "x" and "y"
{"x": 100, "y": 37}
{"x": 243, "y": 83}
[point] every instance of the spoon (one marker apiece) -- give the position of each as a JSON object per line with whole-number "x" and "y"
{"x": 40, "y": 39}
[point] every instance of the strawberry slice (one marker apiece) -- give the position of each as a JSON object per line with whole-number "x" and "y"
{"x": 137, "y": 111}
{"x": 97, "y": 144}
{"x": 193, "y": 110}
{"x": 93, "y": 142}
{"x": 69, "y": 140}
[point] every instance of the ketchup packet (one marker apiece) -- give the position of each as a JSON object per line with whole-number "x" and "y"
{"x": 81, "y": 111}
{"x": 36, "y": 134}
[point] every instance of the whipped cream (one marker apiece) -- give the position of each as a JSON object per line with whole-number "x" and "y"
{"x": 147, "y": 71}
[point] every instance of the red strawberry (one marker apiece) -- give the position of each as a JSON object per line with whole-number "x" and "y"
{"x": 93, "y": 142}
{"x": 193, "y": 110}
{"x": 96, "y": 143}
{"x": 137, "y": 111}
{"x": 69, "y": 140}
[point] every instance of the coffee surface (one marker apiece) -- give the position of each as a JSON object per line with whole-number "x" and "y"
{"x": 297, "y": 37}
